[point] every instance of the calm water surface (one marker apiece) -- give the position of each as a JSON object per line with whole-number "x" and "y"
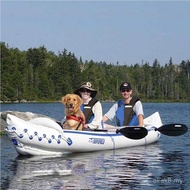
{"x": 163, "y": 165}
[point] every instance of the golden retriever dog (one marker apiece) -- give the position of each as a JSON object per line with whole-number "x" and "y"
{"x": 75, "y": 119}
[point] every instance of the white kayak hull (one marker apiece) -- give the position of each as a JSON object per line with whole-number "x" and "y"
{"x": 43, "y": 136}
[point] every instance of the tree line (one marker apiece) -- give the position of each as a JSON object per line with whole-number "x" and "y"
{"x": 41, "y": 75}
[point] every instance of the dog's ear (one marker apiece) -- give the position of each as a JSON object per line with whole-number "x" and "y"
{"x": 64, "y": 99}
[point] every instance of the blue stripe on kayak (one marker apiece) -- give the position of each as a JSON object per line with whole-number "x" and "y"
{"x": 93, "y": 133}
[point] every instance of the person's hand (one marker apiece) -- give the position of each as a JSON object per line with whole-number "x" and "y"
{"x": 86, "y": 126}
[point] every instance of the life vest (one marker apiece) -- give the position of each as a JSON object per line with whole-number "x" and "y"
{"x": 125, "y": 114}
{"x": 87, "y": 110}
{"x": 80, "y": 119}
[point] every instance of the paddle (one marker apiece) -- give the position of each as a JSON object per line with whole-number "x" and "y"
{"x": 172, "y": 129}
{"x": 141, "y": 132}
{"x": 129, "y": 132}
{"x": 133, "y": 132}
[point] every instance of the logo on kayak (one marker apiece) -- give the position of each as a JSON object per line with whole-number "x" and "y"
{"x": 97, "y": 140}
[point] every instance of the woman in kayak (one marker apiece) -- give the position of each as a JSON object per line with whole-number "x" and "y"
{"x": 91, "y": 106}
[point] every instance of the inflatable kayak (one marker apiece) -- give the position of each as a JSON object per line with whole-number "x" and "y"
{"x": 43, "y": 136}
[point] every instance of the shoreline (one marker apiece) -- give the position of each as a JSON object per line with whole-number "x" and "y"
{"x": 103, "y": 101}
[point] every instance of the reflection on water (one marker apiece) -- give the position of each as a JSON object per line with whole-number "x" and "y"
{"x": 133, "y": 168}
{"x": 120, "y": 169}
{"x": 175, "y": 169}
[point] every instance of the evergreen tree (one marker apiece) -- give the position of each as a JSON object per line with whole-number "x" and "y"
{"x": 37, "y": 74}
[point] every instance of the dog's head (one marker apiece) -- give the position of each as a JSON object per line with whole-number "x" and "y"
{"x": 72, "y": 102}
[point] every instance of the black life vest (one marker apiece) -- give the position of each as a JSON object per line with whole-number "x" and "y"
{"x": 87, "y": 110}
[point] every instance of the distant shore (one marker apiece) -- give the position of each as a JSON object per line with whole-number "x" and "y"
{"x": 107, "y": 101}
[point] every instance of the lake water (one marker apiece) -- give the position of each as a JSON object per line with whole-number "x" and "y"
{"x": 163, "y": 165}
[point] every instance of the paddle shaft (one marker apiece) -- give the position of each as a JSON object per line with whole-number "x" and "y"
{"x": 174, "y": 129}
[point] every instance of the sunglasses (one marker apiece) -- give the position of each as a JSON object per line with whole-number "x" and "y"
{"x": 125, "y": 90}
{"x": 85, "y": 90}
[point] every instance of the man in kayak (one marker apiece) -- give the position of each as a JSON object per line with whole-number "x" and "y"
{"x": 128, "y": 111}
{"x": 91, "y": 106}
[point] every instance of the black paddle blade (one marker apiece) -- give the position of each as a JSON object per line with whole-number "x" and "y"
{"x": 173, "y": 129}
{"x": 133, "y": 132}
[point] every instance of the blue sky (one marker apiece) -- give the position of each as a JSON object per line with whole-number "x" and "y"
{"x": 110, "y": 31}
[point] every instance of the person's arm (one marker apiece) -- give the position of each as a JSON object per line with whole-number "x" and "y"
{"x": 111, "y": 113}
{"x": 96, "y": 122}
{"x": 105, "y": 118}
{"x": 141, "y": 120}
{"x": 138, "y": 109}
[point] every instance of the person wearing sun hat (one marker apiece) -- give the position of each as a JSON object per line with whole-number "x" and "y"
{"x": 86, "y": 86}
{"x": 128, "y": 111}
{"x": 91, "y": 106}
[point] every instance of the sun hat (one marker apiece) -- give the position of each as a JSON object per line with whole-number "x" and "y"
{"x": 125, "y": 85}
{"x": 88, "y": 86}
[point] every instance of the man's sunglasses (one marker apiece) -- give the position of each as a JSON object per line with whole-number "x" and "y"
{"x": 125, "y": 90}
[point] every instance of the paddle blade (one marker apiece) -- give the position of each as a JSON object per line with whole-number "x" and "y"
{"x": 133, "y": 132}
{"x": 173, "y": 129}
